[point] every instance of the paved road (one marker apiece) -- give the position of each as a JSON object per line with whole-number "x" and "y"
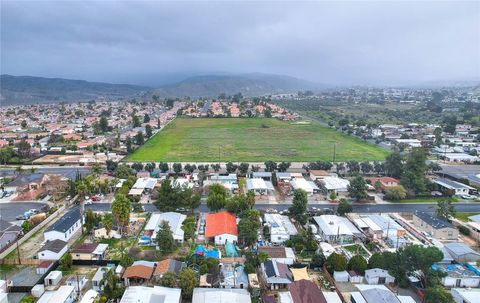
{"x": 362, "y": 208}
{"x": 67, "y": 171}
{"x": 8, "y": 211}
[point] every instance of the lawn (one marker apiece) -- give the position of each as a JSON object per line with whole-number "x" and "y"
{"x": 422, "y": 200}
{"x": 464, "y": 216}
{"x": 252, "y": 140}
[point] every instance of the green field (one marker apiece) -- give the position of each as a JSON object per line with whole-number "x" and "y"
{"x": 252, "y": 140}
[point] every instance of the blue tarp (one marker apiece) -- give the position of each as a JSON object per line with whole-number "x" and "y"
{"x": 201, "y": 251}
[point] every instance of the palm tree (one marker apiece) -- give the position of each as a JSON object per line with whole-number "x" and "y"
{"x": 96, "y": 169}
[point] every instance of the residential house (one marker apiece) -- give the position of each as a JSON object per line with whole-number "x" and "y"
{"x": 259, "y": 186}
{"x": 435, "y": 226}
{"x": 462, "y": 253}
{"x": 334, "y": 184}
{"x": 302, "y": 291}
{"x": 53, "y": 278}
{"x": 140, "y": 272}
{"x": 52, "y": 250}
{"x": 174, "y": 220}
{"x": 308, "y": 186}
{"x": 230, "y": 182}
{"x": 222, "y": 227}
{"x": 457, "y": 275}
{"x": 210, "y": 295}
{"x": 378, "y": 276}
{"x": 142, "y": 185}
{"x": 466, "y": 295}
{"x": 31, "y": 181}
{"x": 385, "y": 182}
{"x": 336, "y": 229}
{"x": 281, "y": 228}
{"x": 168, "y": 265}
{"x": 233, "y": 277}
{"x": 97, "y": 280}
{"x": 318, "y": 174}
{"x": 65, "y": 227}
{"x": 450, "y": 187}
{"x": 8, "y": 233}
{"x": 64, "y": 294}
{"x": 157, "y": 294}
{"x": 89, "y": 251}
{"x": 265, "y": 175}
{"x": 280, "y": 254}
{"x": 276, "y": 275}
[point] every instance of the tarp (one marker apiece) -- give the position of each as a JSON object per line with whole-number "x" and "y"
{"x": 231, "y": 250}
{"x": 300, "y": 274}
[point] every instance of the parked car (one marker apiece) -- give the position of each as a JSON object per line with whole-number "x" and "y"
{"x": 468, "y": 197}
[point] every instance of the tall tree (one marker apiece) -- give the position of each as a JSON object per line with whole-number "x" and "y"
{"x": 188, "y": 281}
{"x": 165, "y": 239}
{"x": 121, "y": 211}
{"x": 299, "y": 205}
{"x": 445, "y": 209}
{"x": 413, "y": 176}
{"x": 394, "y": 165}
{"x": 358, "y": 188}
{"x": 148, "y": 130}
{"x": 217, "y": 197}
{"x": 344, "y": 207}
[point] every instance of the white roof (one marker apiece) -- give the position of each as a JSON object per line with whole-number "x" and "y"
{"x": 89, "y": 296}
{"x": 335, "y": 183}
{"x": 45, "y": 298}
{"x": 332, "y": 297}
{"x": 100, "y": 273}
{"x": 327, "y": 249}
{"x": 62, "y": 293}
{"x": 135, "y": 191}
{"x": 156, "y": 294}
{"x": 460, "y": 156}
{"x": 332, "y": 225}
{"x": 301, "y": 183}
{"x": 174, "y": 220}
{"x": 376, "y": 272}
{"x": 280, "y": 224}
{"x": 100, "y": 249}
{"x": 468, "y": 294}
{"x": 406, "y": 299}
{"x": 144, "y": 183}
{"x": 54, "y": 274}
{"x": 182, "y": 182}
{"x": 217, "y": 295}
{"x": 259, "y": 184}
{"x": 120, "y": 183}
{"x": 285, "y": 297}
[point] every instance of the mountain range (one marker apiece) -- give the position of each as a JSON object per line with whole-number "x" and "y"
{"x": 16, "y": 90}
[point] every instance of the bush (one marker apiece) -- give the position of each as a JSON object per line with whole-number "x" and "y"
{"x": 395, "y": 193}
{"x": 336, "y": 262}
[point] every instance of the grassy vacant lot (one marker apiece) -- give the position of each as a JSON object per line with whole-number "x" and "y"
{"x": 251, "y": 139}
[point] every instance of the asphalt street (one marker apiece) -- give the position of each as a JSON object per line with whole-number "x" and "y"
{"x": 67, "y": 171}
{"x": 8, "y": 211}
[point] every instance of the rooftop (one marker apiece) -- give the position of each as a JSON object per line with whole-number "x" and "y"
{"x": 66, "y": 221}
{"x": 433, "y": 221}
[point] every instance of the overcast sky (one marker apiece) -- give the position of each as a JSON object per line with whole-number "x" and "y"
{"x": 380, "y": 42}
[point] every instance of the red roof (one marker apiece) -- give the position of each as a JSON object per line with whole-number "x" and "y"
{"x": 220, "y": 223}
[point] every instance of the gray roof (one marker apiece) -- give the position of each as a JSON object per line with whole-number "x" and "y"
{"x": 56, "y": 246}
{"x": 377, "y": 295}
{"x": 66, "y": 222}
{"x": 434, "y": 221}
{"x": 460, "y": 249}
{"x": 26, "y": 179}
{"x": 7, "y": 226}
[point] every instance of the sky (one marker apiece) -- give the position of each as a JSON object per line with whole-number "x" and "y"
{"x": 153, "y": 42}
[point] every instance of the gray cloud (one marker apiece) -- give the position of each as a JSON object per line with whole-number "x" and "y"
{"x": 333, "y": 42}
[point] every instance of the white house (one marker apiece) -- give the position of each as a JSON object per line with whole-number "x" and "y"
{"x": 281, "y": 228}
{"x": 456, "y": 187}
{"x": 307, "y": 186}
{"x": 53, "y": 250}
{"x": 174, "y": 220}
{"x": 378, "y": 276}
{"x": 336, "y": 229}
{"x": 466, "y": 295}
{"x": 144, "y": 294}
{"x": 210, "y": 295}
{"x": 64, "y": 228}
{"x": 457, "y": 275}
{"x": 335, "y": 184}
{"x": 53, "y": 278}
{"x": 259, "y": 186}
{"x": 64, "y": 294}
{"x": 222, "y": 227}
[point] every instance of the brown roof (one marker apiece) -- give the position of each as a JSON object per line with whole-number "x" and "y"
{"x": 273, "y": 251}
{"x": 305, "y": 291}
{"x": 84, "y": 248}
{"x": 138, "y": 271}
{"x": 162, "y": 267}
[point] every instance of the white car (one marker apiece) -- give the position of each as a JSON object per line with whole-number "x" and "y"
{"x": 468, "y": 197}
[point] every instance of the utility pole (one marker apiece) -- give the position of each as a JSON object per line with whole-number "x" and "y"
{"x": 334, "y": 151}
{"x": 18, "y": 253}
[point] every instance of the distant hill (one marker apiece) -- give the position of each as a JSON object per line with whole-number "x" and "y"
{"x": 248, "y": 84}
{"x": 27, "y": 90}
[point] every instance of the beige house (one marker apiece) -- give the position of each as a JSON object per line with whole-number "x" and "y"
{"x": 435, "y": 226}
{"x": 89, "y": 251}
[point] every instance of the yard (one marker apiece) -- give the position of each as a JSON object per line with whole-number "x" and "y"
{"x": 464, "y": 216}
{"x": 252, "y": 140}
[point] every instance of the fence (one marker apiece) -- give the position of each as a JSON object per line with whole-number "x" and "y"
{"x": 42, "y": 224}
{"x": 332, "y": 282}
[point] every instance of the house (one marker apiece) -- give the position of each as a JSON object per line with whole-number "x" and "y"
{"x": 44, "y": 267}
{"x": 65, "y": 227}
{"x": 465, "y": 295}
{"x": 8, "y": 233}
{"x": 341, "y": 276}
{"x": 31, "y": 181}
{"x": 53, "y": 278}
{"x": 97, "y": 280}
{"x": 457, "y": 275}
{"x": 279, "y": 254}
{"x": 142, "y": 185}
{"x": 259, "y": 186}
{"x": 317, "y": 174}
{"x": 281, "y": 228}
{"x": 334, "y": 184}
{"x": 376, "y": 294}
{"x": 378, "y": 276}
{"x": 265, "y": 175}
{"x": 157, "y": 294}
{"x": 89, "y": 251}
{"x": 435, "y": 226}
{"x": 452, "y": 187}
{"x": 276, "y": 275}
{"x": 64, "y": 294}
{"x": 355, "y": 277}
{"x": 210, "y": 295}
{"x": 308, "y": 186}
{"x": 379, "y": 226}
{"x": 460, "y": 157}
{"x": 221, "y": 226}
{"x": 101, "y": 233}
{"x": 90, "y": 296}
{"x": 233, "y": 277}
{"x": 139, "y": 272}
{"x": 78, "y": 281}
{"x": 385, "y": 182}
{"x": 168, "y": 265}
{"x": 302, "y": 291}
{"x": 462, "y": 253}
{"x": 52, "y": 250}
{"x": 174, "y": 220}
{"x": 229, "y": 182}
{"x": 336, "y": 229}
